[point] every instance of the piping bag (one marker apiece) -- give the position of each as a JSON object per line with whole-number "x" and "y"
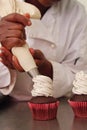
{"x": 22, "y": 53}
{"x": 26, "y": 60}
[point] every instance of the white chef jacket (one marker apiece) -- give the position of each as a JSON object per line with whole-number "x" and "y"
{"x": 84, "y": 2}
{"x": 62, "y": 36}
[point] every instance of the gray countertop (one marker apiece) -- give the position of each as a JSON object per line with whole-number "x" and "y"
{"x": 17, "y": 116}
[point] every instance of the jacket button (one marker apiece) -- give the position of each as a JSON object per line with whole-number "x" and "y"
{"x": 52, "y": 45}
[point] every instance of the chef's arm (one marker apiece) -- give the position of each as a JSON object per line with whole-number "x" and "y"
{"x": 7, "y": 79}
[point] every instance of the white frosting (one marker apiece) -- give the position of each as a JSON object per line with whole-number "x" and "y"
{"x": 80, "y": 83}
{"x": 43, "y": 86}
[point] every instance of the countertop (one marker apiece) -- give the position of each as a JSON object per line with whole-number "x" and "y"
{"x": 17, "y": 116}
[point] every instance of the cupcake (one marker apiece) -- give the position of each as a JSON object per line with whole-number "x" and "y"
{"x": 43, "y": 105}
{"x": 78, "y": 101}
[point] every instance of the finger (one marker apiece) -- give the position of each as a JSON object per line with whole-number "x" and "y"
{"x": 12, "y": 42}
{"x": 15, "y": 34}
{"x": 16, "y": 64}
{"x": 6, "y": 57}
{"x": 11, "y": 25}
{"x": 31, "y": 51}
{"x": 1, "y": 59}
{"x": 38, "y": 59}
{"x": 37, "y": 54}
{"x": 27, "y": 15}
{"x": 39, "y": 63}
{"x": 5, "y": 52}
{"x": 4, "y": 60}
{"x": 11, "y": 30}
{"x": 18, "y": 32}
{"x": 15, "y": 17}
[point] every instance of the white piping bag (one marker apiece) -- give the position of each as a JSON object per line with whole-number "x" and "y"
{"x": 22, "y": 53}
{"x": 26, "y": 60}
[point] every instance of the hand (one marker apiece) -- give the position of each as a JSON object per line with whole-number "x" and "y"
{"x": 9, "y": 60}
{"x": 44, "y": 66}
{"x": 12, "y": 32}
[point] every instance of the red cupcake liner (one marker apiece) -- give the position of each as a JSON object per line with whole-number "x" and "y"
{"x": 79, "y": 108}
{"x": 46, "y": 111}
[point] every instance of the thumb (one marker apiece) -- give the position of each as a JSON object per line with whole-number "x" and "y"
{"x": 16, "y": 64}
{"x": 27, "y": 15}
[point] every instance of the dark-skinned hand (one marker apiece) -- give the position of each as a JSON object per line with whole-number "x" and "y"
{"x": 12, "y": 30}
{"x": 44, "y": 66}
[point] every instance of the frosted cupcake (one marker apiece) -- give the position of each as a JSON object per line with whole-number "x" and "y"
{"x": 78, "y": 101}
{"x": 43, "y": 105}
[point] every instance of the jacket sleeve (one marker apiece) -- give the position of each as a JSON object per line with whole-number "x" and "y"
{"x": 75, "y": 58}
{"x": 7, "y": 80}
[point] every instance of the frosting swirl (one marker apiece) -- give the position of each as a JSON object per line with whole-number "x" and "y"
{"x": 80, "y": 83}
{"x": 43, "y": 86}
